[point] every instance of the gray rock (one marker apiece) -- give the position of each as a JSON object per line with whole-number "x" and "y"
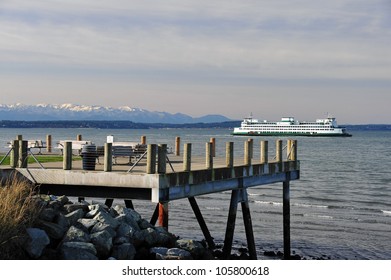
{"x": 126, "y": 230}
{"x": 159, "y": 250}
{"x": 103, "y": 243}
{"x": 130, "y": 213}
{"x": 106, "y": 218}
{"x": 101, "y": 227}
{"x": 36, "y": 242}
{"x": 121, "y": 240}
{"x": 150, "y": 237}
{"x": 138, "y": 238}
{"x": 48, "y": 214}
{"x": 194, "y": 247}
{"x": 165, "y": 238}
{"x": 78, "y": 251}
{"x": 125, "y": 251}
{"x": 61, "y": 220}
{"x": 128, "y": 219}
{"x": 54, "y": 231}
{"x": 88, "y": 224}
{"x": 75, "y": 234}
{"x": 95, "y": 209}
{"x": 144, "y": 224}
{"x": 74, "y": 216}
{"x": 76, "y": 206}
{"x": 180, "y": 254}
{"x": 56, "y": 205}
{"x": 63, "y": 200}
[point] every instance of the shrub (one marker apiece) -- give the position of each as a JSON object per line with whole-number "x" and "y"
{"x": 18, "y": 211}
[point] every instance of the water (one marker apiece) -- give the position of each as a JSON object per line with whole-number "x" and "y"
{"x": 340, "y": 208}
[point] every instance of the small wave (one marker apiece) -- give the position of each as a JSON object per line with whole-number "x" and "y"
{"x": 387, "y": 213}
{"x": 212, "y": 208}
{"x": 309, "y": 205}
{"x": 279, "y": 204}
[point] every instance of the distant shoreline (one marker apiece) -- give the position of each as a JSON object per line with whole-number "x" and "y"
{"x": 133, "y": 125}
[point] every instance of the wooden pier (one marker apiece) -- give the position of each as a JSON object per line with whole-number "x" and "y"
{"x": 161, "y": 177}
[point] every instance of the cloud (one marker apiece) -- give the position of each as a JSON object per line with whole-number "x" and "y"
{"x": 214, "y": 44}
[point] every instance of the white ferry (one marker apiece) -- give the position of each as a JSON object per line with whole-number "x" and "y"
{"x": 290, "y": 127}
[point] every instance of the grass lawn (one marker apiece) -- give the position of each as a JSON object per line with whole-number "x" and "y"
{"x": 40, "y": 158}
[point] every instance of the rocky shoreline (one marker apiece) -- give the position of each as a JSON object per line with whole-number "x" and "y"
{"x": 67, "y": 230}
{"x": 82, "y": 231}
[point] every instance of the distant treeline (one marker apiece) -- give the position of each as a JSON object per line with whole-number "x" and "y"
{"x": 133, "y": 125}
{"x": 375, "y": 127}
{"x": 111, "y": 124}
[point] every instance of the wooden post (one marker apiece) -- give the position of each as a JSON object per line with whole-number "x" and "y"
{"x": 213, "y": 149}
{"x": 178, "y": 146}
{"x": 163, "y": 215}
{"x": 229, "y": 154}
{"x": 19, "y": 137}
{"x": 162, "y": 158}
{"x": 143, "y": 140}
{"x": 209, "y": 156}
{"x": 67, "y": 157}
{"x": 49, "y": 143}
{"x": 292, "y": 150}
{"x": 151, "y": 158}
{"x": 251, "y": 141}
{"x": 79, "y": 137}
{"x": 264, "y": 152}
{"x": 279, "y": 150}
{"x": 108, "y": 158}
{"x": 247, "y": 153}
{"x": 286, "y": 220}
{"x": 14, "y": 157}
{"x": 22, "y": 163}
{"x": 187, "y": 157}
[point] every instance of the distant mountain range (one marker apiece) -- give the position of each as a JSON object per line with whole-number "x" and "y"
{"x": 73, "y": 112}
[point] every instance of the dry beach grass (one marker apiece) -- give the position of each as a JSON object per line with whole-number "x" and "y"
{"x": 17, "y": 212}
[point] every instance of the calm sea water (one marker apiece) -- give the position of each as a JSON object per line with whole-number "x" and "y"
{"x": 340, "y": 208}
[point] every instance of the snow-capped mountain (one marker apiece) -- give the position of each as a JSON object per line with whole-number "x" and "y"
{"x": 57, "y": 112}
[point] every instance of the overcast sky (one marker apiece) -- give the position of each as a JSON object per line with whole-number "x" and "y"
{"x": 232, "y": 57}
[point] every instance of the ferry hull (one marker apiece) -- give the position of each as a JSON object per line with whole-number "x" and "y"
{"x": 292, "y": 134}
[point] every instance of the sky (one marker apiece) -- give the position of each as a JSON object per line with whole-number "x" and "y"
{"x": 232, "y": 57}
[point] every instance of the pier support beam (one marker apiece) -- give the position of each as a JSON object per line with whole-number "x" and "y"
{"x": 237, "y": 196}
{"x": 163, "y": 215}
{"x": 229, "y": 233}
{"x": 286, "y": 220}
{"x": 248, "y": 226}
{"x": 201, "y": 222}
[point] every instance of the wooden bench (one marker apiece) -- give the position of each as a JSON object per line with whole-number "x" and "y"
{"x": 32, "y": 144}
{"x": 76, "y": 145}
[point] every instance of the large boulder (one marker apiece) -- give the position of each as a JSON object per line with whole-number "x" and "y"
{"x": 78, "y": 251}
{"x": 36, "y": 242}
